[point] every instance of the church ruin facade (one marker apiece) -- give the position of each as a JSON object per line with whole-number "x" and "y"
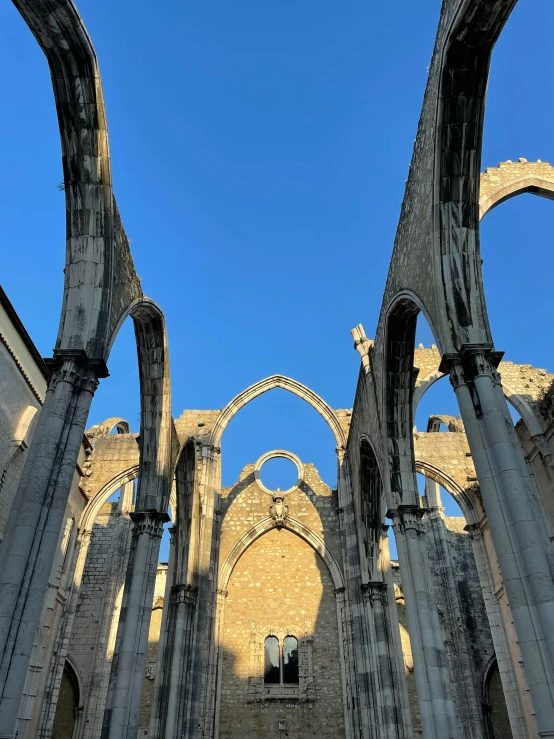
{"x": 281, "y": 613}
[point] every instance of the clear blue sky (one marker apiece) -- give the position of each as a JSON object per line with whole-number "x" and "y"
{"x": 260, "y": 150}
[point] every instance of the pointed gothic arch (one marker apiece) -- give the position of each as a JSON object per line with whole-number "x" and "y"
{"x": 270, "y": 383}
{"x": 261, "y": 528}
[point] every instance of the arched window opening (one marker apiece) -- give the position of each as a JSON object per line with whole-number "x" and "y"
{"x": 281, "y": 664}
{"x": 371, "y": 496}
{"x": 494, "y": 705}
{"x": 290, "y": 661}
{"x": 184, "y": 494}
{"x": 272, "y": 671}
{"x": 279, "y": 473}
{"x": 67, "y": 706}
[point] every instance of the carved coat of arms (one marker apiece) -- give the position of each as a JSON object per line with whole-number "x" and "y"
{"x": 278, "y": 510}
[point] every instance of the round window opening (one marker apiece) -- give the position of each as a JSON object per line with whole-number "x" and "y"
{"x": 278, "y": 474}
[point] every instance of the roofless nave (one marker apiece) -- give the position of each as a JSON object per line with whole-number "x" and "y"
{"x": 280, "y": 613}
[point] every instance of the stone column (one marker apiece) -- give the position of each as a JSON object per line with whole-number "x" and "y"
{"x": 163, "y": 661}
{"x": 388, "y": 719}
{"x": 359, "y": 696}
{"x": 221, "y": 597}
{"x": 432, "y": 676}
{"x": 511, "y": 515}
{"x": 502, "y": 650}
{"x": 123, "y": 702}
{"x": 468, "y": 697}
{"x": 182, "y": 603}
{"x": 29, "y": 547}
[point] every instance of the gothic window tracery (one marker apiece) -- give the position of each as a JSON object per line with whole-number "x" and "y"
{"x": 281, "y": 663}
{"x": 371, "y": 492}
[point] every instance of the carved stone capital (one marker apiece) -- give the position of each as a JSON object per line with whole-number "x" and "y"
{"x": 183, "y": 594}
{"x": 473, "y": 360}
{"x": 75, "y": 367}
{"x": 474, "y": 531}
{"x": 85, "y": 536}
{"x": 406, "y": 518}
{"x": 374, "y": 591}
{"x": 148, "y": 522}
{"x": 221, "y": 594}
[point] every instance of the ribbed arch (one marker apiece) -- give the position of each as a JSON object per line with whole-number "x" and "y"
{"x": 270, "y": 383}
{"x": 291, "y": 524}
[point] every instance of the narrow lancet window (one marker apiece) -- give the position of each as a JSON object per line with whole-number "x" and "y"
{"x": 290, "y": 661}
{"x": 272, "y": 672}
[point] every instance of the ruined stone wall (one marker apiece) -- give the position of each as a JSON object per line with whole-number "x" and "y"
{"x": 466, "y": 632}
{"x": 17, "y": 395}
{"x": 280, "y": 585}
{"x": 245, "y": 504}
{"x": 92, "y": 639}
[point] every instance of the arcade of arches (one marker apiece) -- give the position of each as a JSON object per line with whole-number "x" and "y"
{"x": 281, "y": 613}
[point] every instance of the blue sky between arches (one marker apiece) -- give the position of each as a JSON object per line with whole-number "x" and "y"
{"x": 259, "y": 154}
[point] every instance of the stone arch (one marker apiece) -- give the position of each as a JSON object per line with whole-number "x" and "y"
{"x": 155, "y": 402}
{"x": 270, "y": 383}
{"x": 469, "y": 506}
{"x": 398, "y": 390}
{"x": 496, "y": 715}
{"x": 514, "y": 178}
{"x": 187, "y": 514}
{"x": 97, "y": 247}
{"x": 107, "y": 426}
{"x": 371, "y": 504}
{"x": 517, "y": 400}
{"x": 26, "y": 425}
{"x": 68, "y": 714}
{"x": 94, "y": 505}
{"x": 464, "y": 67}
{"x": 265, "y": 525}
{"x": 434, "y": 422}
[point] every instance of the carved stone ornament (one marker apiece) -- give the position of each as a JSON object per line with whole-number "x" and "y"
{"x": 278, "y": 510}
{"x": 150, "y": 670}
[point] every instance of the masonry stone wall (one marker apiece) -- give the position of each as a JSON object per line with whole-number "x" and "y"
{"x": 280, "y": 583}
{"x": 92, "y": 639}
{"x": 312, "y": 502}
{"x": 15, "y": 398}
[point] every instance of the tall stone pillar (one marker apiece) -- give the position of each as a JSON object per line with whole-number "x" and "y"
{"x": 432, "y": 676}
{"x": 32, "y": 534}
{"x": 503, "y": 653}
{"x": 165, "y": 650}
{"x": 510, "y": 509}
{"x": 123, "y": 702}
{"x": 468, "y": 698}
{"x": 389, "y": 718}
{"x": 182, "y": 603}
